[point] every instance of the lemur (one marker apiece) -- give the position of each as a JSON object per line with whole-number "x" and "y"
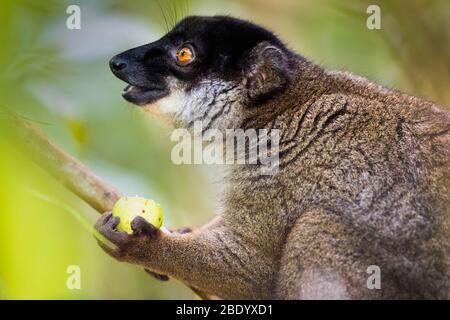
{"x": 363, "y": 176}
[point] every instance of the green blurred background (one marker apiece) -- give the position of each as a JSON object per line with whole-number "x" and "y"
{"x": 60, "y": 79}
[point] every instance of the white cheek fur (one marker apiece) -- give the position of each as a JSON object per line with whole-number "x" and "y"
{"x": 198, "y": 102}
{"x": 173, "y": 103}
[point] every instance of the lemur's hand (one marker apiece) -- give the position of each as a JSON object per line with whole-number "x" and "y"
{"x": 125, "y": 247}
{"x": 123, "y": 242}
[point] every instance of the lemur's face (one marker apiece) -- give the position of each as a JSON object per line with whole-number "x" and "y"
{"x": 203, "y": 64}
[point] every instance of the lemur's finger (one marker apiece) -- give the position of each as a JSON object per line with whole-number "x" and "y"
{"x": 157, "y": 276}
{"x": 106, "y": 225}
{"x": 181, "y": 230}
{"x": 112, "y": 222}
{"x": 103, "y": 219}
{"x": 140, "y": 226}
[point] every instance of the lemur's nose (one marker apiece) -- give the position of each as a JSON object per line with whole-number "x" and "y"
{"x": 117, "y": 64}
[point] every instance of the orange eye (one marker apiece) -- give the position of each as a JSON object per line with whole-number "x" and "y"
{"x": 185, "y": 55}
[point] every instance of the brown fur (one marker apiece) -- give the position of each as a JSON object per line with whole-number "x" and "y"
{"x": 363, "y": 180}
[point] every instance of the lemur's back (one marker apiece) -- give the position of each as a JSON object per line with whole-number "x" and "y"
{"x": 362, "y": 181}
{"x": 364, "y": 174}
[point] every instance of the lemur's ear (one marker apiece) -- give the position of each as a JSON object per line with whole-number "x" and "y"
{"x": 266, "y": 72}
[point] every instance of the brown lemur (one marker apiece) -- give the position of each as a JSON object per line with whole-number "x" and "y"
{"x": 363, "y": 173}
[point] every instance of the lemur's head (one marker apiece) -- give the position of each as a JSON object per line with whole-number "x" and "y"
{"x": 203, "y": 67}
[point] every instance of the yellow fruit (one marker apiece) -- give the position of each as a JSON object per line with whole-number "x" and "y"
{"x": 127, "y": 208}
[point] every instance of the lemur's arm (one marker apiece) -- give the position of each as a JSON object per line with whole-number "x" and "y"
{"x": 212, "y": 260}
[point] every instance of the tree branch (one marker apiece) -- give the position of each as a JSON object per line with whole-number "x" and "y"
{"x": 72, "y": 173}
{"x": 69, "y": 171}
